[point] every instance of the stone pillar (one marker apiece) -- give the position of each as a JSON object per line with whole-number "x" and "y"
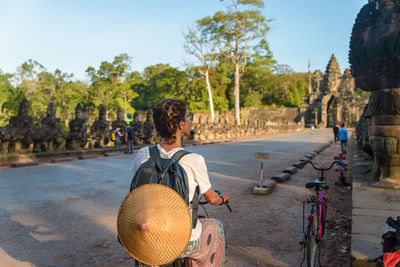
{"x": 375, "y": 65}
{"x": 384, "y": 137}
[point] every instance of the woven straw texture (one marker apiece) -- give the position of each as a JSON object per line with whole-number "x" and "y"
{"x": 168, "y": 219}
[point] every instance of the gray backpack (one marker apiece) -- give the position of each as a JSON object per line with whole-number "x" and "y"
{"x": 167, "y": 172}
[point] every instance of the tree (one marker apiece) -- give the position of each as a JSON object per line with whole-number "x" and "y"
{"x": 236, "y": 29}
{"x": 106, "y": 82}
{"x": 125, "y": 93}
{"x": 256, "y": 82}
{"x": 9, "y": 98}
{"x": 199, "y": 43}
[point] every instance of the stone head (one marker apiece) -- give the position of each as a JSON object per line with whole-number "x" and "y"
{"x": 23, "y": 107}
{"x": 136, "y": 116}
{"x": 149, "y": 116}
{"x": 102, "y": 113}
{"x": 79, "y": 112}
{"x": 120, "y": 114}
{"x": 51, "y": 110}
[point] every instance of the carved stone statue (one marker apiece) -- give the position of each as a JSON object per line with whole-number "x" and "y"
{"x": 148, "y": 129}
{"x": 120, "y": 122}
{"x": 138, "y": 128}
{"x": 100, "y": 129}
{"x": 18, "y": 134}
{"x": 77, "y": 137}
{"x": 375, "y": 60}
{"x": 48, "y": 136}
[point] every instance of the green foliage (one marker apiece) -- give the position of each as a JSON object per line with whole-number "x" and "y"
{"x": 9, "y": 98}
{"x": 359, "y": 92}
{"x": 111, "y": 85}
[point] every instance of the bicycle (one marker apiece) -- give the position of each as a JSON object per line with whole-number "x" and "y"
{"x": 315, "y": 231}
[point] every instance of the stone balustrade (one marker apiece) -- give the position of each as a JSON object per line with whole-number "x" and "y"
{"x": 22, "y": 136}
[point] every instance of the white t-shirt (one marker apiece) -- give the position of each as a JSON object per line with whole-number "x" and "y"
{"x": 195, "y": 168}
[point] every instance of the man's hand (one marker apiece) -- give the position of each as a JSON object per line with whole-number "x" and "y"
{"x": 213, "y": 198}
{"x": 226, "y": 197}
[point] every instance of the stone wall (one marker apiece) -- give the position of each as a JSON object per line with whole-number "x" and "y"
{"x": 254, "y": 123}
{"x": 22, "y": 136}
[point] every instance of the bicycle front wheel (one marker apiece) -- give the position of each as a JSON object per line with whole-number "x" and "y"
{"x": 312, "y": 241}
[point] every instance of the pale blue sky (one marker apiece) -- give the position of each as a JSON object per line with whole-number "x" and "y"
{"x": 72, "y": 35}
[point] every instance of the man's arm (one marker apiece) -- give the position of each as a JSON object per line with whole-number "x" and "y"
{"x": 213, "y": 198}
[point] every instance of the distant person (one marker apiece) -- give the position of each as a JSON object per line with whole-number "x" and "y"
{"x": 336, "y": 132}
{"x": 312, "y": 129}
{"x": 129, "y": 137}
{"x": 343, "y": 136}
{"x": 117, "y": 138}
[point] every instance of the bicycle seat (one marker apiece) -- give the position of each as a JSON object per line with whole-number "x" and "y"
{"x": 317, "y": 184}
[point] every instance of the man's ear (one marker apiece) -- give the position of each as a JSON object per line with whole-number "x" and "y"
{"x": 181, "y": 125}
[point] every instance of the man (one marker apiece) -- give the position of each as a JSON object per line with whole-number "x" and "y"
{"x": 343, "y": 136}
{"x": 117, "y": 138}
{"x": 172, "y": 121}
{"x": 336, "y": 132}
{"x": 129, "y": 137}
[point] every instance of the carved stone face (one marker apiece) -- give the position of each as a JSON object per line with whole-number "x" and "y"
{"x": 23, "y": 107}
{"x": 136, "y": 116}
{"x": 102, "y": 113}
{"x": 79, "y": 112}
{"x": 120, "y": 114}
{"x": 149, "y": 117}
{"x": 51, "y": 110}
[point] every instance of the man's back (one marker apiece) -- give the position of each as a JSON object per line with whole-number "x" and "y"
{"x": 130, "y": 133}
{"x": 336, "y": 130}
{"x": 343, "y": 136}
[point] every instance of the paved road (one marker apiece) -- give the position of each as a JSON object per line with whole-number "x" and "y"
{"x": 65, "y": 214}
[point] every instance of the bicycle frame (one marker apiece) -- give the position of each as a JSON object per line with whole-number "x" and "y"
{"x": 322, "y": 207}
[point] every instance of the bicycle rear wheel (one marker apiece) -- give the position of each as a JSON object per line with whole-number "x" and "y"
{"x": 313, "y": 241}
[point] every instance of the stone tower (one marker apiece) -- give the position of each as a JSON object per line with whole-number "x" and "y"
{"x": 332, "y": 75}
{"x": 332, "y": 100}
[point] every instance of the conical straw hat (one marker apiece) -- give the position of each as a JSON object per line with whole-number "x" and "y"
{"x": 167, "y": 220}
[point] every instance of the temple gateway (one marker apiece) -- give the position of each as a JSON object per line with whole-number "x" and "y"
{"x": 332, "y": 99}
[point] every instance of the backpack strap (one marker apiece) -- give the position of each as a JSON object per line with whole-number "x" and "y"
{"x": 178, "y": 155}
{"x": 195, "y": 206}
{"x": 195, "y": 202}
{"x": 155, "y": 155}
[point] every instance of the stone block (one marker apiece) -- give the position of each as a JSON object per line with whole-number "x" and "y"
{"x": 62, "y": 160}
{"x": 281, "y": 177}
{"x": 290, "y": 170}
{"x": 267, "y": 187}
{"x": 24, "y": 164}
{"x": 298, "y": 164}
{"x": 87, "y": 157}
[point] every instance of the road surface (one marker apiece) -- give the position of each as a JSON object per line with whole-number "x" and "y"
{"x": 65, "y": 214}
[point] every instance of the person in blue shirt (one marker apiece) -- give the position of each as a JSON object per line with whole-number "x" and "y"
{"x": 117, "y": 138}
{"x": 343, "y": 136}
{"x": 312, "y": 129}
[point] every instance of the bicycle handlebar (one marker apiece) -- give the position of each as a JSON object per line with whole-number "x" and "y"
{"x": 219, "y": 193}
{"x": 344, "y": 165}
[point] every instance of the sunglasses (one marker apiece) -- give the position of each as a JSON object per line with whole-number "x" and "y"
{"x": 189, "y": 115}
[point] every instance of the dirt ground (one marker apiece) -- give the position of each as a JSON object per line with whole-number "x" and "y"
{"x": 268, "y": 233}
